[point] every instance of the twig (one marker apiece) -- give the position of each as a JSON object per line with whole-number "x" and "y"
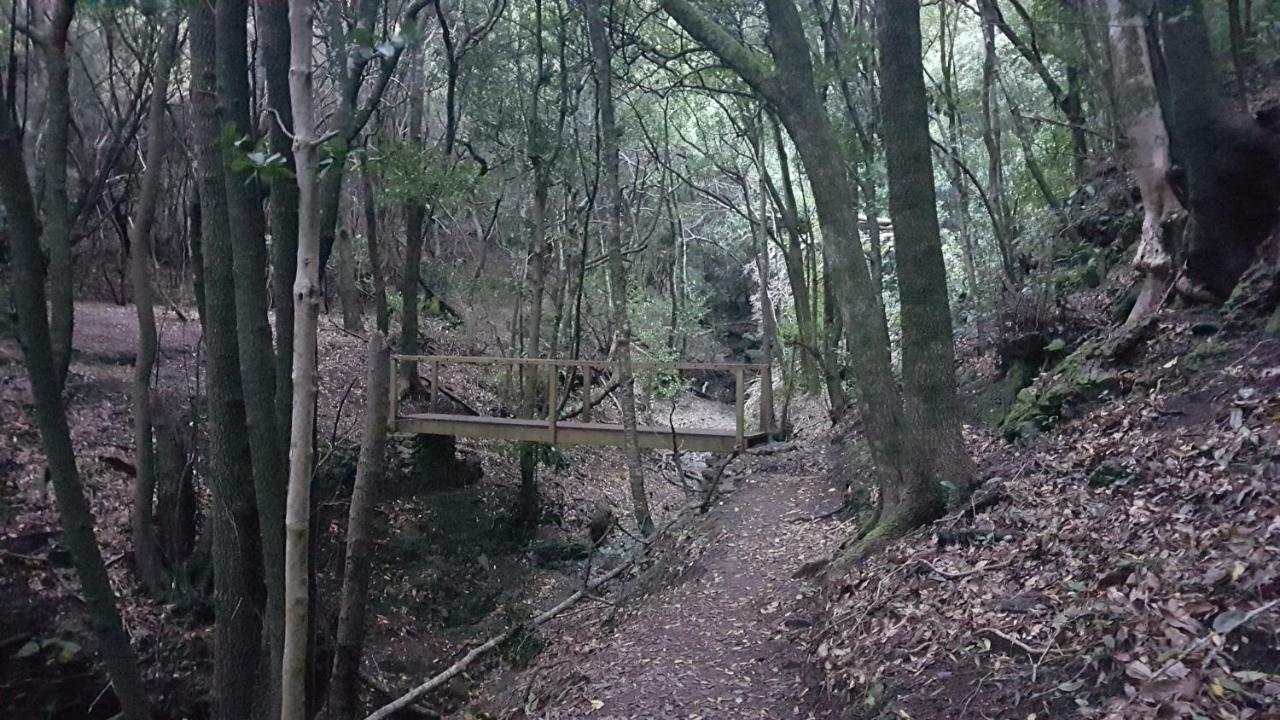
{"x": 337, "y": 416}
{"x": 1014, "y": 642}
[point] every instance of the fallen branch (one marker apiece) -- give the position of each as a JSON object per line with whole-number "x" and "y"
{"x": 449, "y": 673}
{"x": 596, "y": 400}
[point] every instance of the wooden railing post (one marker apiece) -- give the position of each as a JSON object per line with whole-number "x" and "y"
{"x": 435, "y": 386}
{"x": 739, "y": 408}
{"x": 766, "y": 399}
{"x": 552, "y": 400}
{"x": 587, "y": 375}
{"x": 393, "y": 395}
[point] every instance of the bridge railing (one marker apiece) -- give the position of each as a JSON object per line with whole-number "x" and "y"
{"x": 587, "y": 370}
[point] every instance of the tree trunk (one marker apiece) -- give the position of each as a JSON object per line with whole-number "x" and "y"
{"x": 1148, "y": 151}
{"x": 610, "y": 136}
{"x": 1232, "y": 166}
{"x": 344, "y": 682}
{"x": 991, "y": 131}
{"x": 273, "y": 18}
{"x": 382, "y": 314}
{"x": 1235, "y": 26}
{"x": 236, "y": 546}
{"x": 910, "y": 495}
{"x": 53, "y": 173}
{"x": 51, "y": 418}
{"x": 416, "y": 221}
{"x": 930, "y": 406}
{"x": 306, "y": 317}
{"x": 347, "y": 292}
{"x": 148, "y": 562}
{"x": 253, "y": 330}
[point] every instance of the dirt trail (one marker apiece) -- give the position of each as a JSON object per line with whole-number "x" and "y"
{"x": 716, "y": 645}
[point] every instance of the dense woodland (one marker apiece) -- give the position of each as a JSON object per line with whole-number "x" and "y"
{"x": 950, "y": 228}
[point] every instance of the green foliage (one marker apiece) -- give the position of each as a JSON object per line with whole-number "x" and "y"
{"x": 652, "y": 328}
{"x": 411, "y": 173}
{"x": 258, "y": 160}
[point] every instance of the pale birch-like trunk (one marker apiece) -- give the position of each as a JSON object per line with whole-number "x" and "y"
{"x": 1147, "y": 152}
{"x": 306, "y": 316}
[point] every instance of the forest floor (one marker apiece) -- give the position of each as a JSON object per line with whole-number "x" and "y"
{"x": 709, "y": 631}
{"x": 1122, "y": 563}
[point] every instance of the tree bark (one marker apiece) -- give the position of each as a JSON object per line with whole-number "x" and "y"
{"x": 1239, "y": 52}
{"x": 306, "y": 317}
{"x": 928, "y": 356}
{"x": 991, "y": 138}
{"x": 37, "y": 346}
{"x": 273, "y": 18}
{"x": 148, "y": 562}
{"x": 237, "y": 548}
{"x": 1147, "y": 152}
{"x": 610, "y": 136}
{"x": 1232, "y": 166}
{"x": 382, "y": 313}
{"x": 257, "y": 353}
{"x": 344, "y": 681}
{"x": 347, "y": 293}
{"x": 53, "y": 175}
{"x": 416, "y": 222}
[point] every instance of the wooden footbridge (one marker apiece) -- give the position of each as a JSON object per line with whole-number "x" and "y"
{"x": 582, "y": 377}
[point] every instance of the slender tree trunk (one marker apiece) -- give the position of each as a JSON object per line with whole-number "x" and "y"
{"x": 257, "y": 353}
{"x": 1235, "y": 26}
{"x": 146, "y": 551}
{"x": 347, "y": 292}
{"x": 610, "y": 137}
{"x": 53, "y": 173}
{"x": 991, "y": 136}
{"x": 928, "y": 357}
{"x": 37, "y": 346}
{"x": 381, "y": 313}
{"x": 306, "y": 317}
{"x": 273, "y": 18}
{"x": 959, "y": 191}
{"x": 236, "y": 545}
{"x": 344, "y": 681}
{"x": 416, "y": 220}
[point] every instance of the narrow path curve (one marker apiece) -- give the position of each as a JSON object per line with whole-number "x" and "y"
{"x": 716, "y": 646}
